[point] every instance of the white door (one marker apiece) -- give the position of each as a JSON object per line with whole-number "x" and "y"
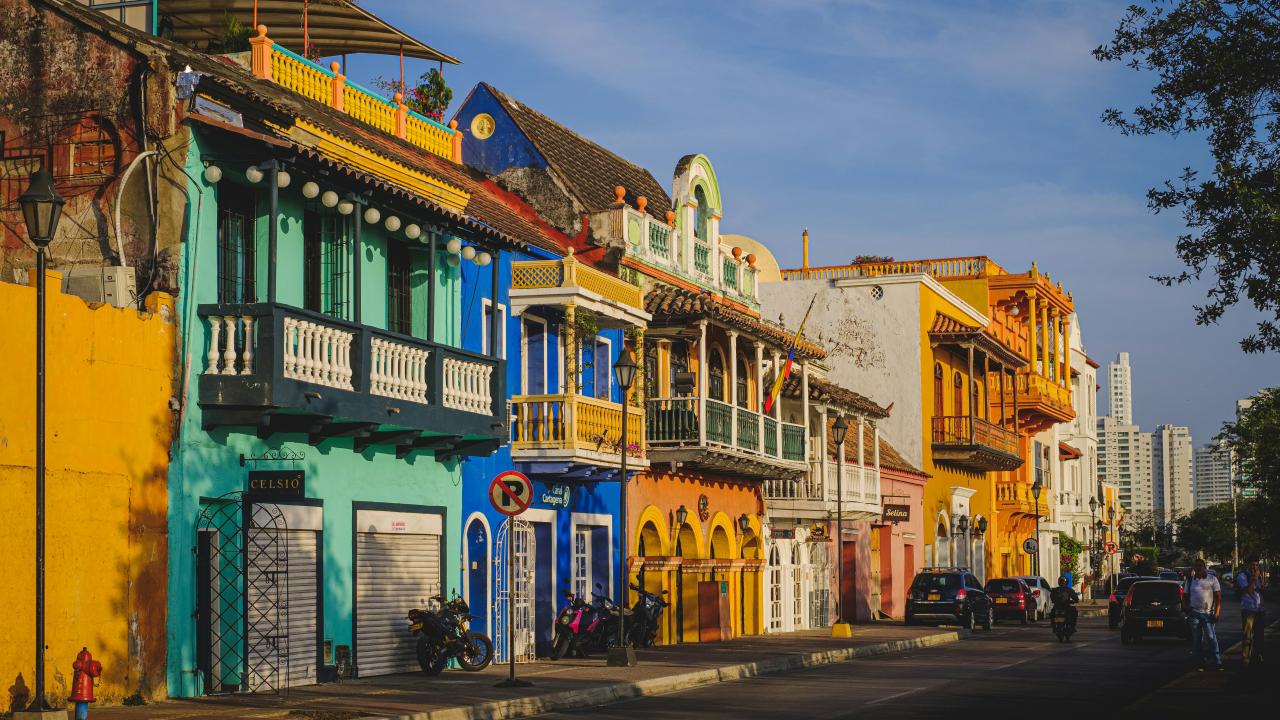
{"x": 397, "y": 570}
{"x": 282, "y": 621}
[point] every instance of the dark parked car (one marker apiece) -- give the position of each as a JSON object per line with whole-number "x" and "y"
{"x": 1115, "y": 604}
{"x": 1173, "y": 575}
{"x": 1153, "y": 607}
{"x": 948, "y": 595}
{"x": 1011, "y": 599}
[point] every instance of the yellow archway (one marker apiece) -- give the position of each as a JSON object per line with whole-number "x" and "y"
{"x": 652, "y": 517}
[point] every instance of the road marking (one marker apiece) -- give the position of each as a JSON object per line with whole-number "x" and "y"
{"x": 896, "y": 695}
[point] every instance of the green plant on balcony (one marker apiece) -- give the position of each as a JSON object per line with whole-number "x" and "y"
{"x": 430, "y": 97}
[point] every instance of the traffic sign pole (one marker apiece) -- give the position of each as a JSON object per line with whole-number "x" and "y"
{"x": 511, "y": 492}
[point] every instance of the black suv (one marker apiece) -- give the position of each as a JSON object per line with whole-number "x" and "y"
{"x": 1153, "y": 607}
{"x": 1115, "y": 605}
{"x": 948, "y": 595}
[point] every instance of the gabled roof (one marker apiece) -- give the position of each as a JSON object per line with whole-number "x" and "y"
{"x": 828, "y": 393}
{"x": 589, "y": 171}
{"x": 890, "y": 458}
{"x": 675, "y": 306}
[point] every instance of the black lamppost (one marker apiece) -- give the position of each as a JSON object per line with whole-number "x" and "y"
{"x": 1094, "y": 559}
{"x": 41, "y": 210}
{"x": 840, "y": 628}
{"x": 1036, "y": 487}
{"x": 1099, "y": 529}
{"x": 624, "y": 370}
{"x": 980, "y": 528}
{"x": 962, "y": 529}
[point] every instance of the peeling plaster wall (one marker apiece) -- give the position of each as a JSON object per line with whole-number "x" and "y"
{"x": 873, "y": 345}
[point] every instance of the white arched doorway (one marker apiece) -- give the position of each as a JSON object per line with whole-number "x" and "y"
{"x": 942, "y": 542}
{"x": 775, "y": 589}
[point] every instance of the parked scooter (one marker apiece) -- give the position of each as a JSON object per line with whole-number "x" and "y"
{"x": 645, "y": 617}
{"x": 577, "y": 627}
{"x": 443, "y": 635}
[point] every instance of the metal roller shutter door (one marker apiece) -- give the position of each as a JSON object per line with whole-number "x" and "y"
{"x": 297, "y": 664}
{"x": 395, "y": 573}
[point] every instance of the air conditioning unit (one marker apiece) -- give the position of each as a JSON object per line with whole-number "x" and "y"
{"x": 111, "y": 285}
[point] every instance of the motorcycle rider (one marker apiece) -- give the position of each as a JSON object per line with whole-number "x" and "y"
{"x": 1064, "y": 597}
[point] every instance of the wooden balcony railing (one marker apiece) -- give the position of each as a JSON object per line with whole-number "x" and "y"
{"x": 959, "y": 268}
{"x": 264, "y": 357}
{"x": 574, "y": 422}
{"x": 290, "y": 70}
{"x": 1033, "y": 388}
{"x": 568, "y": 273}
{"x": 672, "y": 422}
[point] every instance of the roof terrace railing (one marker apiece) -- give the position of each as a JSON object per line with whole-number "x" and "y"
{"x": 330, "y": 87}
{"x": 959, "y": 268}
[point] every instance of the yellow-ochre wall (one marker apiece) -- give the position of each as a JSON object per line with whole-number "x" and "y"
{"x": 937, "y": 492}
{"x": 109, "y": 380}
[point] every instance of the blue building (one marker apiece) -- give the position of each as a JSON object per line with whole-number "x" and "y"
{"x": 562, "y": 325}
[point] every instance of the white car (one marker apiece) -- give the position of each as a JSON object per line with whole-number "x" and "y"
{"x": 1040, "y": 588}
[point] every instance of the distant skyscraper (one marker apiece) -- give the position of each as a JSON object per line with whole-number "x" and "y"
{"x": 1213, "y": 468}
{"x": 1124, "y": 460}
{"x": 1171, "y": 472}
{"x": 1124, "y": 451}
{"x": 1121, "y": 379}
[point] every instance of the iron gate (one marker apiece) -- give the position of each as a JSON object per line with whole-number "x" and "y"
{"x": 242, "y": 596}
{"x": 517, "y": 600}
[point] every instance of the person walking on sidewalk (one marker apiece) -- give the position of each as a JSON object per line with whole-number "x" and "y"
{"x": 1249, "y": 585}
{"x": 1203, "y": 599}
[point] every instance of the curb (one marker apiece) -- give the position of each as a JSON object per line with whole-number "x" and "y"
{"x": 603, "y": 695}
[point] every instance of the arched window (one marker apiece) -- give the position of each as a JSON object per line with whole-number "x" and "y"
{"x": 703, "y": 214}
{"x": 959, "y": 394}
{"x": 973, "y": 398}
{"x": 678, "y": 357}
{"x": 743, "y": 399}
{"x": 938, "y": 409}
{"x": 715, "y": 376}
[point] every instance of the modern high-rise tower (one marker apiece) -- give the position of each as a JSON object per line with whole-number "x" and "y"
{"x": 1171, "y": 472}
{"x": 1121, "y": 389}
{"x": 1124, "y": 451}
{"x": 1213, "y": 469}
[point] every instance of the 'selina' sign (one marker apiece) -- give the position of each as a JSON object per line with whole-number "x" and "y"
{"x": 895, "y": 513}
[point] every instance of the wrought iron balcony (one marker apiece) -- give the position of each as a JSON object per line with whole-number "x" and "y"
{"x": 575, "y": 429}
{"x": 735, "y": 440}
{"x": 974, "y": 443}
{"x": 287, "y": 370}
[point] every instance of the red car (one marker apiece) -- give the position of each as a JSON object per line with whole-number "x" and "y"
{"x": 1011, "y": 598}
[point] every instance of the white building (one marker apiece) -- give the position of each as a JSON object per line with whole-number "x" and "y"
{"x": 1124, "y": 460}
{"x": 1171, "y": 472}
{"x": 1213, "y": 469}
{"x": 1121, "y": 387}
{"x": 1078, "y": 448}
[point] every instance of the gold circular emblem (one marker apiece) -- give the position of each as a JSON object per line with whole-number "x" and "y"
{"x": 482, "y": 126}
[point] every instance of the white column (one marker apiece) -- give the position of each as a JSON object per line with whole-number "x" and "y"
{"x": 760, "y": 396}
{"x": 862, "y": 470}
{"x": 733, "y": 387}
{"x": 777, "y": 407}
{"x": 702, "y": 382}
{"x": 804, "y": 405}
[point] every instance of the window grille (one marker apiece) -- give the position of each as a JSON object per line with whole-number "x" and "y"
{"x": 236, "y": 253}
{"x": 399, "y": 297}
{"x": 326, "y": 263}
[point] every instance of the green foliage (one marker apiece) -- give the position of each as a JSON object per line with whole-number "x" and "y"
{"x": 1146, "y": 563}
{"x": 1217, "y": 70}
{"x": 1255, "y": 440}
{"x": 235, "y": 35}
{"x": 430, "y": 97}
{"x": 1071, "y": 553}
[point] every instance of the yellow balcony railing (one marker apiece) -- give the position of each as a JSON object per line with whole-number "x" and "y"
{"x": 568, "y": 273}
{"x": 958, "y": 268}
{"x": 1016, "y": 497}
{"x": 1033, "y": 390}
{"x": 574, "y": 422}
{"x": 330, "y": 87}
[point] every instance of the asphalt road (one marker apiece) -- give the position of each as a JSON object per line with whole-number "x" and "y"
{"x": 1022, "y": 671}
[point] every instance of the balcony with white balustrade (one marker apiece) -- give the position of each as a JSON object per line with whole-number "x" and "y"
{"x": 283, "y": 369}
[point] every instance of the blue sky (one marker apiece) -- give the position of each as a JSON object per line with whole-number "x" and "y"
{"x": 911, "y": 129}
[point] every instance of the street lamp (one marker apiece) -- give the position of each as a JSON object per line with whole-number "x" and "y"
{"x": 624, "y": 370}
{"x": 962, "y": 529}
{"x": 41, "y": 211}
{"x": 840, "y": 628}
{"x": 1036, "y": 488}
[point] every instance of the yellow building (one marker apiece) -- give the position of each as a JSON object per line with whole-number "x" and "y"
{"x": 109, "y": 381}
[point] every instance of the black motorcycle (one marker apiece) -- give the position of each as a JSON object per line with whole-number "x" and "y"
{"x": 443, "y": 636}
{"x": 645, "y": 617}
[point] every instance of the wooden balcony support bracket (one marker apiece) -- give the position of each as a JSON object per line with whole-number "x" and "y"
{"x": 273, "y": 424}
{"x": 469, "y": 448}
{"x": 436, "y": 442}
{"x": 385, "y": 437}
{"x": 341, "y": 430}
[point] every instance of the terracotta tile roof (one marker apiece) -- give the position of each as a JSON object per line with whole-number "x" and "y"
{"x": 829, "y": 393}
{"x": 676, "y": 306}
{"x": 949, "y": 330}
{"x": 590, "y": 171}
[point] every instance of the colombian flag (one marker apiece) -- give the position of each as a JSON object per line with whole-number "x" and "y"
{"x": 786, "y": 369}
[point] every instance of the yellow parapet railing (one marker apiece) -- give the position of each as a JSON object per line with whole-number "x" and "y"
{"x": 574, "y": 422}
{"x": 959, "y": 268}
{"x": 569, "y": 272}
{"x": 298, "y": 74}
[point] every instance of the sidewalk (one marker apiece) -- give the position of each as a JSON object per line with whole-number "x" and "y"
{"x": 457, "y": 695}
{"x": 1229, "y": 693}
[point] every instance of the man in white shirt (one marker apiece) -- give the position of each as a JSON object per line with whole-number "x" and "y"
{"x": 1203, "y": 602}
